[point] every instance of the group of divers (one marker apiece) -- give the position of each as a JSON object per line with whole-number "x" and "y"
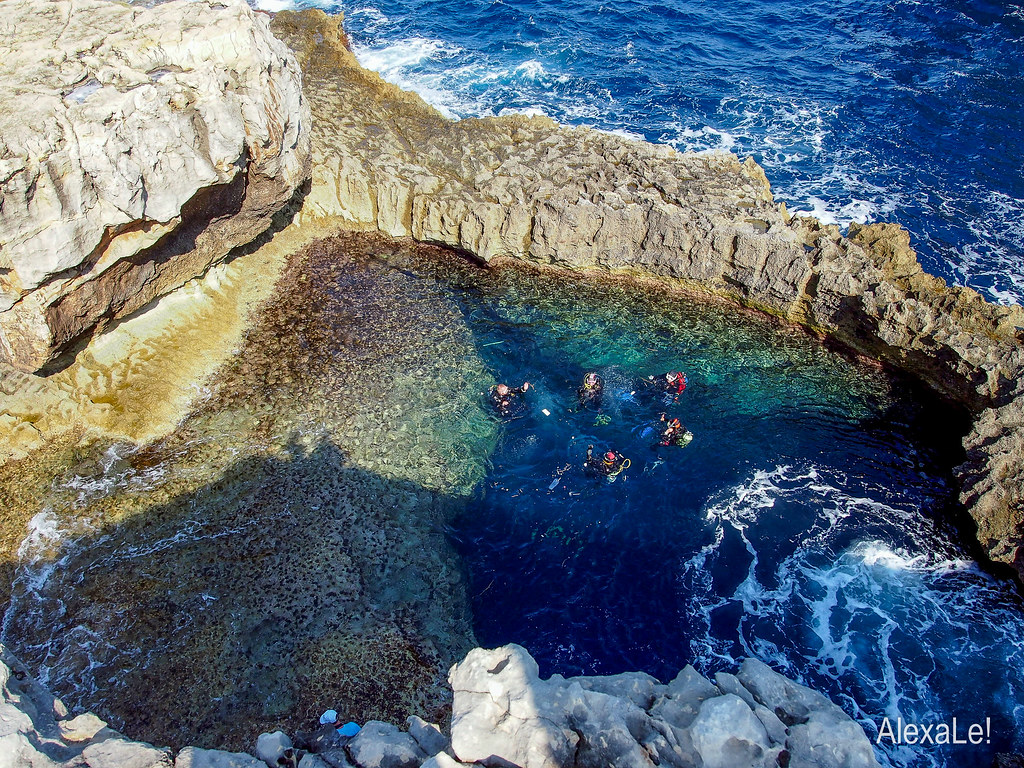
{"x": 508, "y": 403}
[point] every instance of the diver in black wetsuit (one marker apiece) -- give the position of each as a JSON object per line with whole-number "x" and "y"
{"x": 672, "y": 383}
{"x": 674, "y": 433}
{"x": 591, "y": 392}
{"x": 506, "y": 400}
{"x": 609, "y": 464}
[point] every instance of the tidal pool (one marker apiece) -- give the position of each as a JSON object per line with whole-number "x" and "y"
{"x": 342, "y": 515}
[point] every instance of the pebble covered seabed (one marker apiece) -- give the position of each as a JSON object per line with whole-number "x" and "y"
{"x": 341, "y": 517}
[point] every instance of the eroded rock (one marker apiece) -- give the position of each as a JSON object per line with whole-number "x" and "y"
{"x": 527, "y": 188}
{"x": 139, "y": 147}
{"x": 503, "y": 713}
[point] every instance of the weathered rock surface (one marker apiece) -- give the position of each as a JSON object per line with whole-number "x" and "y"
{"x": 139, "y": 146}
{"x": 35, "y": 731}
{"x": 527, "y": 188}
{"x": 503, "y": 715}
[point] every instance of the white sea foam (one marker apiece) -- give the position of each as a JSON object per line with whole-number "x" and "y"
{"x": 875, "y": 614}
{"x": 116, "y": 474}
{"x": 624, "y": 134}
{"x": 701, "y": 139}
{"x": 414, "y": 64}
{"x": 534, "y": 111}
{"x": 274, "y": 6}
{"x": 860, "y": 211}
{"x": 531, "y": 70}
{"x": 370, "y": 18}
{"x": 43, "y": 533}
{"x": 392, "y": 59}
{"x": 998, "y": 255}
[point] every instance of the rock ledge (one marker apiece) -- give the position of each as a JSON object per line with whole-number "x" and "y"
{"x": 138, "y": 147}
{"x": 504, "y": 716}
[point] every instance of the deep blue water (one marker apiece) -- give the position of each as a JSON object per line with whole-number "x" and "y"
{"x": 876, "y": 110}
{"x": 808, "y": 523}
{"x": 805, "y": 524}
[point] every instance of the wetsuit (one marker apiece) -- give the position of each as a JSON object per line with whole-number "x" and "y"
{"x": 591, "y": 395}
{"x": 675, "y": 387}
{"x": 673, "y": 434}
{"x": 508, "y": 404}
{"x": 601, "y": 466}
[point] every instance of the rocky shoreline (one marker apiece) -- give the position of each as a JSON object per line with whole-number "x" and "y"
{"x": 93, "y": 233}
{"x": 530, "y": 189}
{"x": 503, "y": 714}
{"x": 380, "y": 159}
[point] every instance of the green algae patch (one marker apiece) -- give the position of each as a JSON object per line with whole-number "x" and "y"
{"x": 283, "y": 550}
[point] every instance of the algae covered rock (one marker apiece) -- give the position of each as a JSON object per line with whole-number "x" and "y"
{"x": 139, "y": 147}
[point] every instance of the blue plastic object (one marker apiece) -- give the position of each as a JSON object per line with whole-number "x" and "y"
{"x": 349, "y": 729}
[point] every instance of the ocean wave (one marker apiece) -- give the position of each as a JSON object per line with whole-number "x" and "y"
{"x": 888, "y": 628}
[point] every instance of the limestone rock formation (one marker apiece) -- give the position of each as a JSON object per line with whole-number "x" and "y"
{"x": 504, "y": 715}
{"x": 36, "y": 732}
{"x": 139, "y": 146}
{"x": 527, "y": 188}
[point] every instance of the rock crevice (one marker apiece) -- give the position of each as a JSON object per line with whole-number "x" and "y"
{"x": 139, "y": 147}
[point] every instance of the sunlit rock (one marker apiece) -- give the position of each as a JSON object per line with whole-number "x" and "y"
{"x": 139, "y": 147}
{"x": 523, "y": 187}
{"x": 504, "y": 713}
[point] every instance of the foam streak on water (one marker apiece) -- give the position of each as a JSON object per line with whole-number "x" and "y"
{"x": 843, "y": 607}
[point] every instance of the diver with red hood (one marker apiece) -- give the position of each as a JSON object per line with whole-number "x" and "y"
{"x": 609, "y": 464}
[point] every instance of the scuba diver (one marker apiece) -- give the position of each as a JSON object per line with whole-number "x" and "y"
{"x": 506, "y": 400}
{"x": 671, "y": 383}
{"x": 591, "y": 393}
{"x": 609, "y": 464}
{"x": 665, "y": 385}
{"x": 674, "y": 433}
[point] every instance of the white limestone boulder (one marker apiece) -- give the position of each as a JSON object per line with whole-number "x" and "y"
{"x": 382, "y": 745}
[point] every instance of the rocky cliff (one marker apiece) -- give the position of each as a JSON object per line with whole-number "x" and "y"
{"x": 527, "y": 188}
{"x": 138, "y": 147}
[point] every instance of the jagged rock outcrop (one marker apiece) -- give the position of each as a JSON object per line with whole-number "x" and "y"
{"x": 503, "y": 715}
{"x": 527, "y": 188}
{"x": 139, "y": 146}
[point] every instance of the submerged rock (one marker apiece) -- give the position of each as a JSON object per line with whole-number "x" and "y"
{"x": 139, "y": 147}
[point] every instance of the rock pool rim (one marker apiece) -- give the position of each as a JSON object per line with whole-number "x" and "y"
{"x": 960, "y": 414}
{"x": 530, "y": 189}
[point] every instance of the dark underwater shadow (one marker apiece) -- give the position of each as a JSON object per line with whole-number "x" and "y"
{"x": 286, "y": 586}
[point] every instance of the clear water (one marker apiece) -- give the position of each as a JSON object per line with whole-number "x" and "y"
{"x": 806, "y": 524}
{"x": 283, "y": 550}
{"x": 320, "y": 531}
{"x": 882, "y": 110}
